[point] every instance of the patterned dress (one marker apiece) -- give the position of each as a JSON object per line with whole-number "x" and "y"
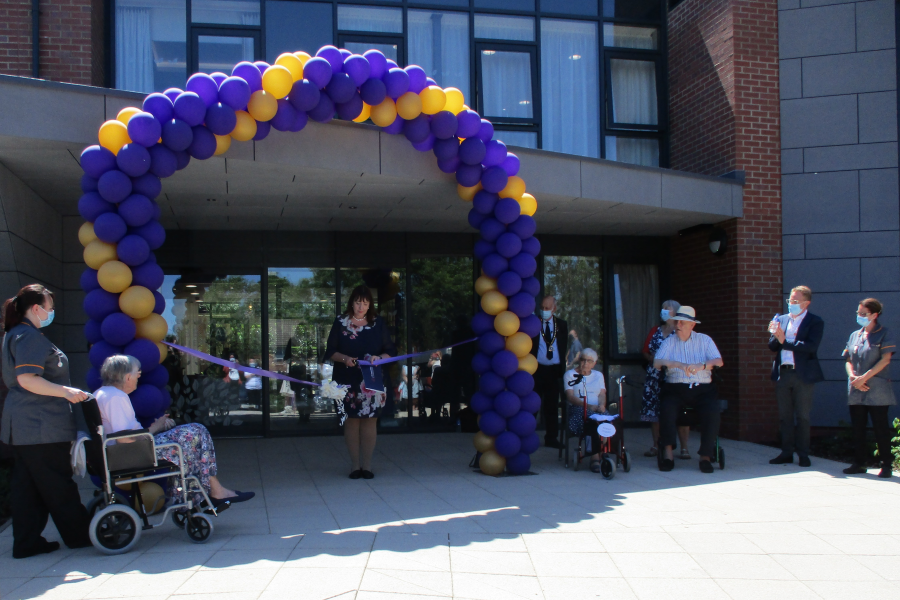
{"x": 358, "y": 342}
{"x": 650, "y": 404}
{"x": 199, "y": 454}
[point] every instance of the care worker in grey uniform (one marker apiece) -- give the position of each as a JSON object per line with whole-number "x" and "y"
{"x": 39, "y": 423}
{"x": 868, "y": 353}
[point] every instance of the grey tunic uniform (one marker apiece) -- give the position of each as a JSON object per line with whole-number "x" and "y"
{"x": 864, "y": 353}
{"x": 30, "y": 418}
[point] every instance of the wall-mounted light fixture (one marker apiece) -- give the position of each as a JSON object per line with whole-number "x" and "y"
{"x": 718, "y": 241}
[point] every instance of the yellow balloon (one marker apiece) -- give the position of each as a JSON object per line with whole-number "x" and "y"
{"x": 483, "y": 442}
{"x": 303, "y": 56}
{"x": 515, "y": 187}
{"x": 114, "y": 277}
{"x": 454, "y": 100}
{"x": 433, "y": 99}
{"x": 468, "y": 193}
{"x": 113, "y": 135}
{"x": 494, "y": 302}
{"x": 137, "y": 302}
{"x": 245, "y": 128}
{"x": 506, "y": 323}
{"x": 223, "y": 143}
{"x": 485, "y": 284}
{"x": 152, "y": 327}
{"x": 97, "y": 253}
{"x": 153, "y": 496}
{"x": 385, "y": 113}
{"x": 519, "y": 344}
{"x": 86, "y": 233}
{"x": 292, "y": 63}
{"x": 409, "y": 106}
{"x": 262, "y": 105}
{"x": 527, "y": 205}
{"x": 492, "y": 463}
{"x": 126, "y": 113}
{"x": 163, "y": 351}
{"x": 528, "y": 363}
{"x": 277, "y": 80}
{"x": 365, "y": 114}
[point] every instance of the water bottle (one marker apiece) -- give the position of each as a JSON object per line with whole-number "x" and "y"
{"x": 774, "y": 320}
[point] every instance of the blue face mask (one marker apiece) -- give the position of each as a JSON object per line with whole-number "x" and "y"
{"x": 49, "y": 319}
{"x": 863, "y": 321}
{"x": 664, "y": 314}
{"x": 546, "y": 314}
{"x": 794, "y": 309}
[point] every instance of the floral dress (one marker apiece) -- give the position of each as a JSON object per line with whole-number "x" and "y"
{"x": 357, "y": 342}
{"x": 650, "y": 404}
{"x": 199, "y": 454}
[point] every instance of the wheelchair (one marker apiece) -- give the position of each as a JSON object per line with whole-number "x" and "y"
{"x": 612, "y": 449}
{"x": 117, "y": 517}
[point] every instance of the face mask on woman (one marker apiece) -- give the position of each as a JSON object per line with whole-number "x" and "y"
{"x": 863, "y": 321}
{"x": 49, "y": 319}
{"x": 664, "y": 314}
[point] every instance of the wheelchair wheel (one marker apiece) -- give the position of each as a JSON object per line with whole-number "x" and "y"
{"x": 179, "y": 518}
{"x": 115, "y": 529}
{"x": 721, "y": 457}
{"x": 608, "y": 468}
{"x": 626, "y": 462}
{"x": 198, "y": 527}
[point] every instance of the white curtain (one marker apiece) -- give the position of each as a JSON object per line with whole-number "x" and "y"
{"x": 370, "y": 18}
{"x": 497, "y": 27}
{"x": 439, "y": 43}
{"x": 637, "y": 305}
{"x": 622, "y": 36}
{"x": 248, "y": 47}
{"x": 634, "y": 91}
{"x": 523, "y": 139}
{"x": 634, "y": 151}
{"x": 506, "y": 77}
{"x": 134, "y": 49}
{"x": 570, "y": 104}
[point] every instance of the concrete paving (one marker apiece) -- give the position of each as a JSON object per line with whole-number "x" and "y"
{"x": 427, "y": 526}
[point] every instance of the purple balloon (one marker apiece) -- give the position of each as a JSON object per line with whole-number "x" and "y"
{"x": 133, "y": 160}
{"x": 160, "y": 305}
{"x": 522, "y": 305}
{"x": 333, "y": 56}
{"x": 491, "y": 342}
{"x": 190, "y": 108}
{"x": 480, "y": 403}
{"x": 471, "y": 151}
{"x": 418, "y": 129}
{"x": 110, "y": 227}
{"x": 300, "y": 121}
{"x": 318, "y": 71}
{"x": 483, "y": 248}
{"x": 495, "y": 153}
{"x": 149, "y": 275}
{"x": 262, "y": 130}
{"x": 114, "y": 186}
{"x": 531, "y": 402}
{"x": 204, "y": 86}
{"x": 494, "y": 179}
{"x": 146, "y": 399}
{"x": 89, "y": 283}
{"x": 531, "y": 245}
{"x": 468, "y": 175}
{"x": 484, "y": 202}
{"x": 153, "y": 233}
{"x": 203, "y": 144}
{"x": 391, "y": 65}
{"x": 88, "y": 183}
{"x": 145, "y": 351}
{"x": 100, "y": 351}
{"x": 530, "y": 325}
{"x": 430, "y": 82}
{"x": 285, "y": 116}
{"x": 507, "y": 443}
{"x": 444, "y": 124}
{"x": 449, "y": 165}
{"x": 507, "y": 404}
{"x": 417, "y": 78}
{"x": 506, "y": 211}
{"x": 235, "y": 92}
{"x": 491, "y": 229}
{"x": 486, "y": 131}
{"x": 482, "y": 322}
{"x": 352, "y": 108}
{"x": 504, "y": 363}
{"x": 481, "y": 363}
{"x": 358, "y": 68}
{"x": 159, "y": 106}
{"x": 162, "y": 162}
{"x": 531, "y": 442}
{"x": 492, "y": 423}
{"x": 91, "y": 206}
{"x": 373, "y": 92}
{"x": 147, "y": 185}
{"x": 182, "y": 159}
{"x": 509, "y": 283}
{"x": 218, "y": 77}
{"x": 249, "y": 73}
{"x": 304, "y": 95}
{"x": 262, "y": 66}
{"x": 136, "y": 210}
{"x": 493, "y": 265}
{"x": 396, "y": 127}
{"x": 521, "y": 383}
{"x": 98, "y": 304}
{"x": 172, "y": 93}
{"x": 475, "y": 217}
{"x": 133, "y": 250}
{"x": 511, "y": 164}
{"x": 323, "y": 111}
{"x": 97, "y": 160}
{"x": 144, "y": 129}
{"x": 377, "y": 63}
{"x": 520, "y": 464}
{"x": 92, "y": 332}
{"x": 524, "y": 226}
{"x": 396, "y": 81}
{"x": 220, "y": 119}
{"x": 341, "y": 88}
{"x": 522, "y": 424}
{"x": 445, "y": 148}
{"x": 524, "y": 264}
{"x": 177, "y": 135}
{"x": 469, "y": 123}
{"x": 491, "y": 384}
{"x": 426, "y": 145}
{"x": 118, "y": 329}
{"x": 531, "y": 286}
{"x": 156, "y": 377}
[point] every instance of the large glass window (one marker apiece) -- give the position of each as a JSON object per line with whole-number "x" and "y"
{"x": 575, "y": 283}
{"x": 633, "y": 150}
{"x": 439, "y": 43}
{"x": 523, "y": 139}
{"x": 292, "y": 26}
{"x": 505, "y": 4}
{"x": 501, "y": 27}
{"x": 570, "y": 7}
{"x": 625, "y": 36}
{"x": 370, "y": 18}
{"x": 229, "y": 12}
{"x": 633, "y": 99}
{"x": 219, "y": 53}
{"x": 506, "y": 91}
{"x": 636, "y": 289}
{"x": 633, "y": 9}
{"x": 151, "y": 45}
{"x": 570, "y": 87}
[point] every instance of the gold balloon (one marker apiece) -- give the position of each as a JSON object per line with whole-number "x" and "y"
{"x": 506, "y": 323}
{"x": 245, "y": 128}
{"x": 385, "y": 113}
{"x": 519, "y": 344}
{"x": 515, "y": 187}
{"x": 114, "y": 277}
{"x": 152, "y": 327}
{"x": 113, "y": 135}
{"x": 364, "y": 115}
{"x": 483, "y": 442}
{"x": 485, "y": 284}
{"x": 528, "y": 363}
{"x": 277, "y": 80}
{"x": 126, "y": 113}
{"x": 163, "y": 351}
{"x": 153, "y": 496}
{"x": 223, "y": 143}
{"x": 527, "y": 204}
{"x": 433, "y": 99}
{"x": 468, "y": 193}
{"x": 494, "y": 302}
{"x": 292, "y": 63}
{"x": 409, "y": 106}
{"x": 453, "y": 100}
{"x": 262, "y": 105}
{"x": 86, "y": 233}
{"x": 97, "y": 253}
{"x": 492, "y": 463}
{"x": 137, "y": 302}
{"x": 303, "y": 56}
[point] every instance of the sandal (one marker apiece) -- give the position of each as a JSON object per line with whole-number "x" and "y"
{"x": 685, "y": 454}
{"x": 595, "y": 466}
{"x": 653, "y": 451}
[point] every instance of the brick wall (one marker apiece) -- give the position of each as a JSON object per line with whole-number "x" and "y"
{"x": 724, "y": 106}
{"x": 71, "y": 40}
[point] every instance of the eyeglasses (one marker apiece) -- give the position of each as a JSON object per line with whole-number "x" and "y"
{"x": 789, "y": 301}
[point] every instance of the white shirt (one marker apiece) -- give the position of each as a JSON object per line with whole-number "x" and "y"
{"x": 589, "y": 387}
{"x": 542, "y": 345}
{"x": 253, "y": 382}
{"x": 115, "y": 410}
{"x": 790, "y": 335}
{"x": 699, "y": 348}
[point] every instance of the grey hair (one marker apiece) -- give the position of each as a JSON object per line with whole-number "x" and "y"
{"x": 116, "y": 367}
{"x": 589, "y": 353}
{"x": 672, "y": 305}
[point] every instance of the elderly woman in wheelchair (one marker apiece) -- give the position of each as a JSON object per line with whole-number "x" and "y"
{"x": 586, "y": 395}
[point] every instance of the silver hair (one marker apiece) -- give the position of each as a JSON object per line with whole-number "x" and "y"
{"x": 116, "y": 367}
{"x": 672, "y": 305}
{"x": 589, "y": 353}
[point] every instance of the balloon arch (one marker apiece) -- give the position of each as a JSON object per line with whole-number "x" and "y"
{"x": 122, "y": 176}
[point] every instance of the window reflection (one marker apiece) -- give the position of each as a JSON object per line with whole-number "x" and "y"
{"x": 151, "y": 45}
{"x": 576, "y": 284}
{"x": 439, "y": 43}
{"x": 506, "y": 83}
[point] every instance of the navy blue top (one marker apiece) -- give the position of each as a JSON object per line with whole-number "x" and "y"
{"x": 356, "y": 342}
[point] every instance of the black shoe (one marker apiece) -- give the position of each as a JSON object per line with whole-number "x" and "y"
{"x": 782, "y": 459}
{"x": 368, "y": 474}
{"x": 356, "y": 474}
{"x": 804, "y": 461}
{"x": 706, "y": 466}
{"x": 886, "y": 471}
{"x": 44, "y": 547}
{"x": 666, "y": 464}
{"x": 854, "y": 469}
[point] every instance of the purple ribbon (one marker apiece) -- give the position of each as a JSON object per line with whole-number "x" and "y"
{"x": 239, "y": 367}
{"x": 405, "y": 356}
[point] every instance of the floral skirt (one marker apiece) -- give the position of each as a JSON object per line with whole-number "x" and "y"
{"x": 199, "y": 454}
{"x": 650, "y": 400}
{"x": 360, "y": 404}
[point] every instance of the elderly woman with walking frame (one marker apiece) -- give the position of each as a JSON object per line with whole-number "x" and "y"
{"x": 586, "y": 395}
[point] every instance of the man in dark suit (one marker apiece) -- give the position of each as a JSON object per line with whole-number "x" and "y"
{"x": 795, "y": 339}
{"x": 550, "y": 348}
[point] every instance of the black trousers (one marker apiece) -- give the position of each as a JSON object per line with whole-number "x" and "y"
{"x": 546, "y": 384}
{"x": 859, "y": 418}
{"x": 42, "y": 486}
{"x": 705, "y": 399}
{"x": 795, "y": 400}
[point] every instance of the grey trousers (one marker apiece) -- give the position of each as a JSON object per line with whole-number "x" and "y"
{"x": 795, "y": 398}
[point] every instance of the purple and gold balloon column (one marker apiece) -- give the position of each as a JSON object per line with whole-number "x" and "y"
{"x": 142, "y": 146}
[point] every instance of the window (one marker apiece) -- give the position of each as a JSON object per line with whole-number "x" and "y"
{"x": 636, "y": 289}
{"x": 219, "y": 53}
{"x": 633, "y": 99}
{"x": 512, "y": 137}
{"x": 625, "y": 36}
{"x": 633, "y": 150}
{"x": 370, "y": 18}
{"x": 292, "y": 26}
{"x": 150, "y": 45}
{"x": 570, "y": 7}
{"x": 506, "y": 76}
{"x": 498, "y": 27}
{"x": 439, "y": 43}
{"x": 575, "y": 283}
{"x": 228, "y": 12}
{"x": 633, "y": 9}
{"x": 524, "y": 5}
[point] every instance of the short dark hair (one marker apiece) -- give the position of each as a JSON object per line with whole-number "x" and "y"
{"x": 872, "y": 304}
{"x": 361, "y": 292}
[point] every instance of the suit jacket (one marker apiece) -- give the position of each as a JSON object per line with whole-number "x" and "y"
{"x": 809, "y": 336}
{"x": 562, "y": 342}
